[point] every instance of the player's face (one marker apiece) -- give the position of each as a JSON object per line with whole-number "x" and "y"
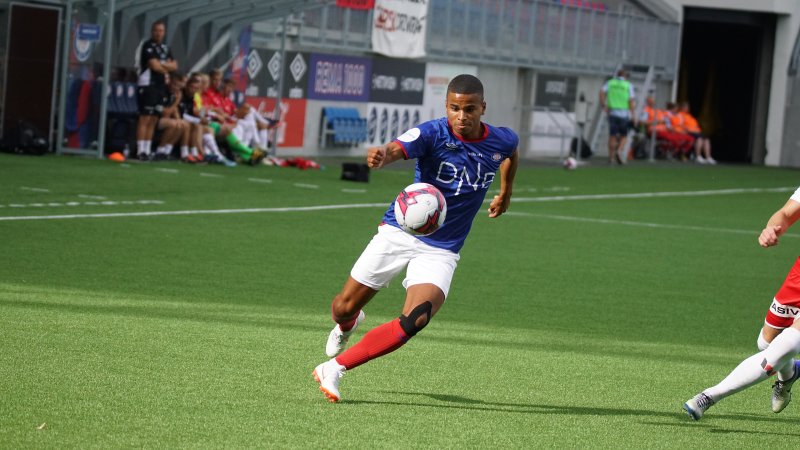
{"x": 192, "y": 86}
{"x": 158, "y": 33}
{"x": 464, "y": 113}
{"x": 216, "y": 80}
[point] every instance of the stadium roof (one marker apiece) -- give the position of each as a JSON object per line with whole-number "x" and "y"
{"x": 197, "y": 13}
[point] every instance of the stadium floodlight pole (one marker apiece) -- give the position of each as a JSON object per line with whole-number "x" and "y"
{"x": 62, "y": 97}
{"x": 276, "y": 114}
{"x": 101, "y": 139}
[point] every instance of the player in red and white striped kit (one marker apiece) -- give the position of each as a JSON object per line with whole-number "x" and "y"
{"x": 779, "y": 340}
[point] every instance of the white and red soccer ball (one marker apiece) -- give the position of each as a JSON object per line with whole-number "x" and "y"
{"x": 420, "y": 209}
{"x": 570, "y": 163}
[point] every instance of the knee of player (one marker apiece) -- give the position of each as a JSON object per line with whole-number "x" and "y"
{"x": 417, "y": 319}
{"x": 344, "y": 306}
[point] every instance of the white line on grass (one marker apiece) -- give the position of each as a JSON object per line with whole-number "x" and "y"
{"x": 211, "y": 175}
{"x": 161, "y": 169}
{"x": 383, "y": 205}
{"x": 639, "y": 224}
{"x": 260, "y": 180}
{"x": 94, "y": 197}
{"x": 306, "y": 186}
{"x": 560, "y": 198}
{"x": 33, "y": 189}
{"x": 354, "y": 191}
{"x": 197, "y": 212}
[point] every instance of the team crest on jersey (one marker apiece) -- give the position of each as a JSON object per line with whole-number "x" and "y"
{"x": 497, "y": 157}
{"x": 451, "y": 146}
{"x": 410, "y": 135}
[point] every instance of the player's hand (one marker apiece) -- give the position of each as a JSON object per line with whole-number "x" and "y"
{"x": 376, "y": 156}
{"x": 499, "y": 205}
{"x": 769, "y": 237}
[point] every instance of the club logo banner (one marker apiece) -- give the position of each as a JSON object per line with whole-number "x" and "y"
{"x": 295, "y": 75}
{"x": 399, "y": 28}
{"x": 342, "y": 78}
{"x": 397, "y": 81}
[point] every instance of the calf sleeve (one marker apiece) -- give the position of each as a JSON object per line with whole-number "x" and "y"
{"x": 379, "y": 341}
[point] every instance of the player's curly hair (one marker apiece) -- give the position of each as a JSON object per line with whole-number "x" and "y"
{"x": 465, "y": 84}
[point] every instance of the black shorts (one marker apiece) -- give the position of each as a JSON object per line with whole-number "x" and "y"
{"x": 618, "y": 126}
{"x": 151, "y": 100}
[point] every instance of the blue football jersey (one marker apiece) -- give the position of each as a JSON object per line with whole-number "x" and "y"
{"x": 462, "y": 169}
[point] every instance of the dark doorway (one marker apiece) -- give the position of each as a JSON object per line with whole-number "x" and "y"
{"x": 726, "y": 60}
{"x": 31, "y": 71}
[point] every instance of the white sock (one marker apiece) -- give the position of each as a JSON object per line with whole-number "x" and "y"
{"x": 211, "y": 144}
{"x": 761, "y": 342}
{"x": 184, "y": 151}
{"x": 263, "y": 138}
{"x": 760, "y": 366}
{"x": 164, "y": 149}
{"x": 194, "y": 151}
{"x": 147, "y": 146}
{"x": 140, "y": 147}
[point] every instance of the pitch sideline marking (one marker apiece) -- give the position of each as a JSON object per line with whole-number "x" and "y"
{"x": 639, "y": 224}
{"x": 383, "y": 205}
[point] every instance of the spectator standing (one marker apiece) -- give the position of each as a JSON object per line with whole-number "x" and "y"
{"x": 154, "y": 62}
{"x": 617, "y": 100}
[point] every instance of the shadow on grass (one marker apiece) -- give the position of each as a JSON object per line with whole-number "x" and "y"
{"x": 680, "y": 419}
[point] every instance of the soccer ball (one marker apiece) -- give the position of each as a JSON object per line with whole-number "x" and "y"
{"x": 570, "y": 163}
{"x": 420, "y": 209}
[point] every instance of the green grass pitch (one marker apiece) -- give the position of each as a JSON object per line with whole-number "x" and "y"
{"x": 582, "y": 319}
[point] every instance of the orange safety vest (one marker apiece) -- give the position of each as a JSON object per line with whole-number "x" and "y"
{"x": 690, "y": 122}
{"x": 655, "y": 117}
{"x": 676, "y": 123}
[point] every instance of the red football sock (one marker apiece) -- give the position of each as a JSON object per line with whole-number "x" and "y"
{"x": 377, "y": 342}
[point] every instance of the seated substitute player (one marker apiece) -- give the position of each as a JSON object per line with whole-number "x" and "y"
{"x": 461, "y": 156}
{"x": 779, "y": 340}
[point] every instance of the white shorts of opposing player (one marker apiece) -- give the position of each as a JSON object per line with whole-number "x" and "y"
{"x": 391, "y": 250}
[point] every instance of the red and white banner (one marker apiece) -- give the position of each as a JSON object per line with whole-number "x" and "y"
{"x": 399, "y": 28}
{"x": 356, "y": 4}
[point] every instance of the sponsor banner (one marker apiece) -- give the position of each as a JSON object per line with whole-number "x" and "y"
{"x": 397, "y": 81}
{"x": 356, "y": 4}
{"x": 344, "y": 78}
{"x": 292, "y": 121}
{"x": 553, "y": 133}
{"x": 399, "y": 28}
{"x": 437, "y": 77}
{"x": 89, "y": 32}
{"x": 556, "y": 91}
{"x": 386, "y": 121}
{"x": 295, "y": 72}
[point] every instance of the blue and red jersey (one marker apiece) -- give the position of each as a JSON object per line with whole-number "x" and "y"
{"x": 461, "y": 169}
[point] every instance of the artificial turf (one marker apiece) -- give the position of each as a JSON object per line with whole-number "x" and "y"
{"x": 575, "y": 321}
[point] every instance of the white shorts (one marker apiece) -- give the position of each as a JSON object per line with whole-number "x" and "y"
{"x": 392, "y": 249}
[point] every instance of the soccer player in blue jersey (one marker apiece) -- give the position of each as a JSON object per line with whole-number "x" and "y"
{"x": 461, "y": 156}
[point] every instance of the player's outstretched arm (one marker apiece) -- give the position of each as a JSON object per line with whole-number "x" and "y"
{"x": 779, "y": 223}
{"x": 508, "y": 169}
{"x": 378, "y": 157}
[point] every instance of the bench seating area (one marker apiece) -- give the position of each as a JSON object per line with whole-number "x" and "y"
{"x": 342, "y": 127}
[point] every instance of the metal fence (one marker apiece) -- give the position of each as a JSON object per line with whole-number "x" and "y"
{"x": 539, "y": 34}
